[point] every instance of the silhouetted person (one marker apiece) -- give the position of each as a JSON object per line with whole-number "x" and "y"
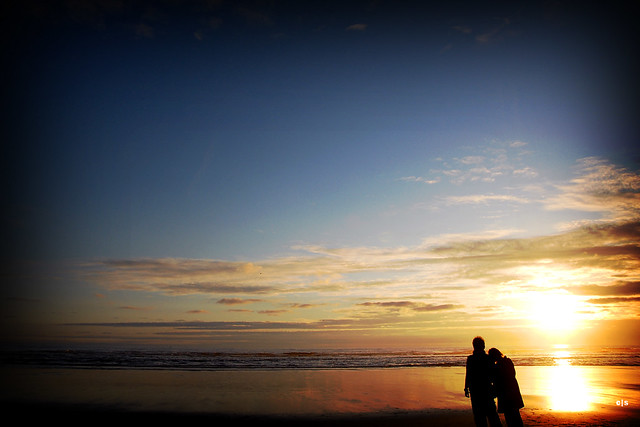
{"x": 507, "y": 389}
{"x": 478, "y": 384}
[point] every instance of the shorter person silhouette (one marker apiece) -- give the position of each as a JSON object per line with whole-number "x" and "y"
{"x": 507, "y": 388}
{"x": 478, "y": 386}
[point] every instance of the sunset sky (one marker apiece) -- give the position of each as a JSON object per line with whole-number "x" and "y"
{"x": 318, "y": 174}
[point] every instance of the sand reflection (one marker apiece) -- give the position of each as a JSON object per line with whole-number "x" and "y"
{"x": 561, "y": 388}
{"x": 569, "y": 388}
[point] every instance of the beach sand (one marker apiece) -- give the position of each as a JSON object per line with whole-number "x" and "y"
{"x": 574, "y": 396}
{"x": 87, "y": 415}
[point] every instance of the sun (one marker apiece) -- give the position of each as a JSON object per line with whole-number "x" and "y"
{"x": 553, "y": 311}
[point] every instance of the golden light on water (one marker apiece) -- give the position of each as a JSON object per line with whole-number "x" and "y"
{"x": 568, "y": 387}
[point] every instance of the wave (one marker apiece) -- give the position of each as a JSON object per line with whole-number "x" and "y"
{"x": 365, "y": 359}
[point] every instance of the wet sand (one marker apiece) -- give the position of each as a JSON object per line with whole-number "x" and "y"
{"x": 574, "y": 396}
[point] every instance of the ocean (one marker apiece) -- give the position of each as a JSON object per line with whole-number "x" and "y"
{"x": 311, "y": 383}
{"x": 106, "y": 358}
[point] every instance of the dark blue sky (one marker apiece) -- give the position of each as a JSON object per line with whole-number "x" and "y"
{"x": 146, "y": 116}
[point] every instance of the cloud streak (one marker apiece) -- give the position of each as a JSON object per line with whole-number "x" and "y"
{"x": 484, "y": 199}
{"x": 500, "y": 161}
{"x": 411, "y": 305}
{"x": 357, "y": 27}
{"x": 601, "y": 187}
{"x": 237, "y": 301}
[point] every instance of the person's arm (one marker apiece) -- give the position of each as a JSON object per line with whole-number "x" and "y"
{"x": 466, "y": 380}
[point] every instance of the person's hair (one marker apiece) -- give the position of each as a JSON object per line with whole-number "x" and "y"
{"x": 478, "y": 343}
{"x": 494, "y": 353}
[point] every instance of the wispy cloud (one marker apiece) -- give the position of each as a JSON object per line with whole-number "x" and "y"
{"x": 471, "y": 160}
{"x": 410, "y": 305}
{"x": 463, "y": 29}
{"x": 617, "y": 289}
{"x": 145, "y": 30}
{"x": 484, "y": 199}
{"x": 491, "y": 31}
{"x": 357, "y": 27}
{"x": 615, "y": 300}
{"x": 134, "y": 308}
{"x": 420, "y": 179}
{"x": 237, "y": 301}
{"x": 600, "y": 187}
{"x": 273, "y": 312}
{"x": 494, "y": 162}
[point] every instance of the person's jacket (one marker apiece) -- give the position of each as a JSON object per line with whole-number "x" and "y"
{"x": 478, "y": 376}
{"x": 507, "y": 388}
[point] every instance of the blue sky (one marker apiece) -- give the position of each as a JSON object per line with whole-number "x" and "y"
{"x": 252, "y": 138}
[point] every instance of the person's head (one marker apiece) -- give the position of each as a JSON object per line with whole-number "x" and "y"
{"x": 478, "y": 344}
{"x": 494, "y": 353}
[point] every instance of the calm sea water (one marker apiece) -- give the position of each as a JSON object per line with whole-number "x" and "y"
{"x": 325, "y": 359}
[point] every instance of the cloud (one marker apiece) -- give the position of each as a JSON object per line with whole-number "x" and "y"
{"x": 600, "y": 187}
{"x": 420, "y": 179}
{"x": 411, "y": 305}
{"x": 357, "y": 27}
{"x": 606, "y": 240}
{"x": 392, "y": 304}
{"x": 437, "y": 307}
{"x": 237, "y": 301}
{"x": 494, "y": 33}
{"x": 484, "y": 199}
{"x": 303, "y": 305}
{"x": 463, "y": 29}
{"x": 518, "y": 144}
{"x": 487, "y": 165}
{"x": 331, "y": 324}
{"x": 491, "y": 31}
{"x": 255, "y": 17}
{"x": 209, "y": 288}
{"x": 615, "y": 300}
{"x": 527, "y": 172}
{"x": 617, "y": 289}
{"x": 273, "y": 312}
{"x": 471, "y": 160}
{"x": 177, "y": 276}
{"x": 145, "y": 30}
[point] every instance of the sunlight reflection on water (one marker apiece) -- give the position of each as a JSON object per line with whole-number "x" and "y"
{"x": 568, "y": 388}
{"x": 568, "y": 385}
{"x": 565, "y": 387}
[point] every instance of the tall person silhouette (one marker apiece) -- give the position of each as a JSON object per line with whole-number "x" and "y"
{"x": 478, "y": 384}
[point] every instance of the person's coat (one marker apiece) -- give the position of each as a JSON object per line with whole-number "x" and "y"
{"x": 507, "y": 388}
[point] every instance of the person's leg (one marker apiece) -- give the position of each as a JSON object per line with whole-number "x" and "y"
{"x": 513, "y": 418}
{"x": 479, "y": 412}
{"x": 492, "y": 414}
